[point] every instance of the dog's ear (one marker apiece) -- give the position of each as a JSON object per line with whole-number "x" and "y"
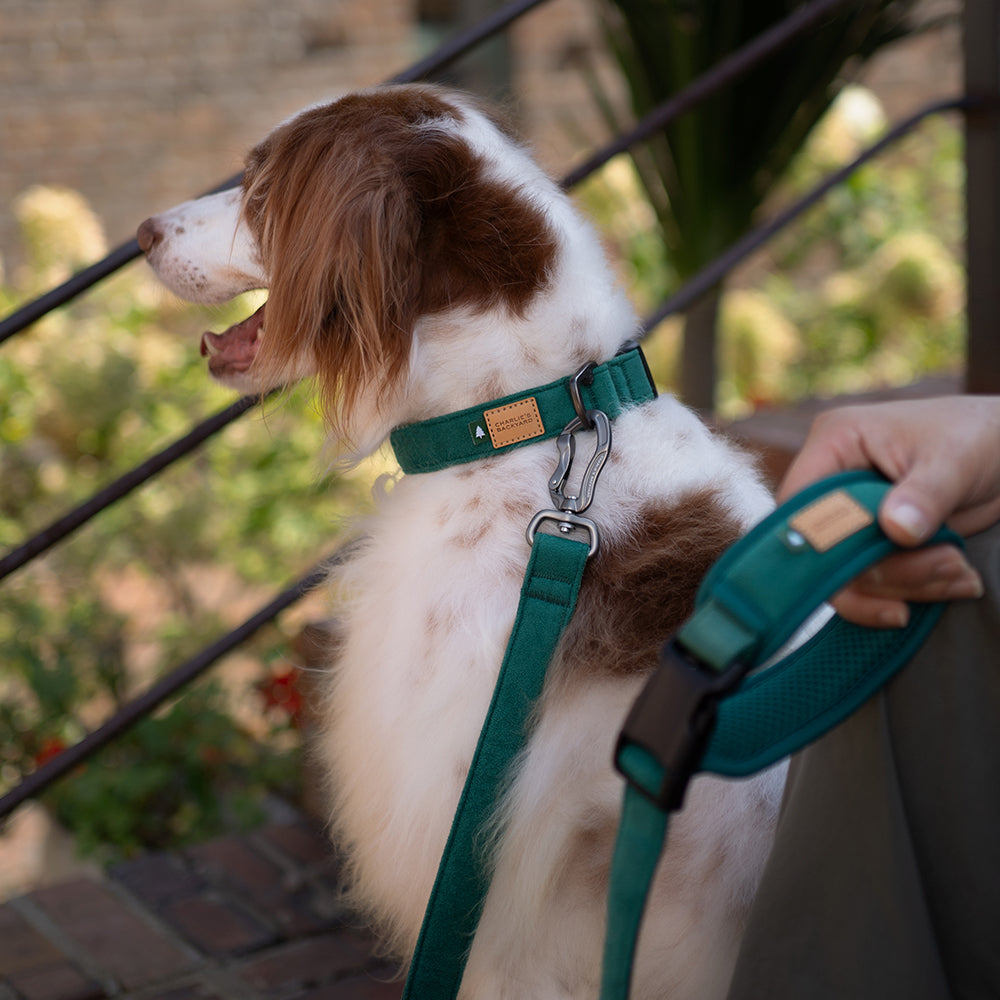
{"x": 372, "y": 279}
{"x": 338, "y": 232}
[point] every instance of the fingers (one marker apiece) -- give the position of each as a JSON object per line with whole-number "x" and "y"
{"x": 942, "y": 456}
{"x": 879, "y": 597}
{"x": 940, "y": 453}
{"x": 872, "y": 612}
{"x": 911, "y": 512}
{"x": 932, "y": 574}
{"x": 920, "y": 502}
{"x": 908, "y": 522}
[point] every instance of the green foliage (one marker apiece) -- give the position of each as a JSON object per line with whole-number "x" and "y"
{"x": 707, "y": 173}
{"x": 872, "y": 277}
{"x": 86, "y": 394}
{"x": 178, "y": 777}
{"x": 865, "y": 290}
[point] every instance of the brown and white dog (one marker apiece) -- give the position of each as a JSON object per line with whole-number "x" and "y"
{"x": 419, "y": 262}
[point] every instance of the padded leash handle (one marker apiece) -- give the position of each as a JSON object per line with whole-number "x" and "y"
{"x": 714, "y": 704}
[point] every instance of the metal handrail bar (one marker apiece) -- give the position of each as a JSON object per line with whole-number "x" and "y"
{"x": 114, "y": 491}
{"x": 131, "y": 713}
{"x": 702, "y": 88}
{"x": 737, "y": 252}
{"x": 489, "y": 25}
{"x": 443, "y": 56}
{"x": 33, "y": 311}
{"x": 162, "y": 690}
{"x": 726, "y": 71}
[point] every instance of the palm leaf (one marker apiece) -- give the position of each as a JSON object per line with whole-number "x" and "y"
{"x": 707, "y": 172}
{"x": 717, "y": 163}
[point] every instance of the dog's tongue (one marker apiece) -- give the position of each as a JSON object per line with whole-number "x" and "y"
{"x": 233, "y": 351}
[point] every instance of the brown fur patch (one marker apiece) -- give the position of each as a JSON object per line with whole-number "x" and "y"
{"x": 589, "y": 857}
{"x": 370, "y": 214}
{"x": 637, "y": 593}
{"x": 520, "y": 509}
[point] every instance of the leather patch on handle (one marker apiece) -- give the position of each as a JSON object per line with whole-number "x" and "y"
{"x": 514, "y": 422}
{"x": 830, "y": 520}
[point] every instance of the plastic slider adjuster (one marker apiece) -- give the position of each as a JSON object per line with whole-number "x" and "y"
{"x": 673, "y": 718}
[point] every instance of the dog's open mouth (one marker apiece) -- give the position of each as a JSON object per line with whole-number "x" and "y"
{"x": 232, "y": 352}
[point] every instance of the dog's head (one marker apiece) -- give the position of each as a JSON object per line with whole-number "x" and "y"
{"x": 362, "y": 218}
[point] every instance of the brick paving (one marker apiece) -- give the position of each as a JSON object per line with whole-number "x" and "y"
{"x": 254, "y": 917}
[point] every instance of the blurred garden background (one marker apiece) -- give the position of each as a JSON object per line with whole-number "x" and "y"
{"x": 866, "y": 292}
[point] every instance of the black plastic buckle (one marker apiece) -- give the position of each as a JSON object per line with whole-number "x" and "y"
{"x": 673, "y": 717}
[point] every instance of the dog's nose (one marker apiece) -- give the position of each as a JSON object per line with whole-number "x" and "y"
{"x": 148, "y": 235}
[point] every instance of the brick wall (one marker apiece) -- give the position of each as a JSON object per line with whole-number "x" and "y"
{"x": 139, "y": 104}
{"x": 142, "y": 103}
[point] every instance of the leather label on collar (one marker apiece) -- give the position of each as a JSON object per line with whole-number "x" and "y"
{"x": 514, "y": 422}
{"x": 830, "y": 520}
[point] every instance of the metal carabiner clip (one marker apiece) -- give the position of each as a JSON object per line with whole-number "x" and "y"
{"x": 568, "y": 506}
{"x": 566, "y": 443}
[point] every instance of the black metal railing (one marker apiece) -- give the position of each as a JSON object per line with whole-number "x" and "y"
{"x": 710, "y": 83}
{"x": 724, "y": 74}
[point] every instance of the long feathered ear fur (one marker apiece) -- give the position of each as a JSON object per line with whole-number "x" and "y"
{"x": 338, "y": 230}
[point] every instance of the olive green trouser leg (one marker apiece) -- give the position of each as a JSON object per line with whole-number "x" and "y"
{"x": 884, "y": 880}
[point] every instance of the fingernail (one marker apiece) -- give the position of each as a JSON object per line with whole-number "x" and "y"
{"x": 911, "y": 519}
{"x": 969, "y": 587}
{"x": 894, "y": 617}
{"x": 952, "y": 566}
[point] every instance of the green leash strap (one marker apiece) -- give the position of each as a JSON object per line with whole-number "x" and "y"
{"x": 548, "y": 597}
{"x": 523, "y": 418}
{"x": 642, "y": 832}
{"x": 701, "y": 711}
{"x": 561, "y": 542}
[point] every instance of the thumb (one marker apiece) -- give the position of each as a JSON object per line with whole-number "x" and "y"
{"x": 916, "y": 507}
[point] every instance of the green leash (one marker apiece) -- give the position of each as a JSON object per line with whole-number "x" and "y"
{"x": 562, "y": 540}
{"x": 688, "y": 717}
{"x": 548, "y": 597}
{"x": 705, "y": 710}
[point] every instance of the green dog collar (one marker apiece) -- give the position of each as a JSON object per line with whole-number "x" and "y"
{"x": 524, "y": 417}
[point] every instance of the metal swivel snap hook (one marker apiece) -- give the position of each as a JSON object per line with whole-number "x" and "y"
{"x": 569, "y": 506}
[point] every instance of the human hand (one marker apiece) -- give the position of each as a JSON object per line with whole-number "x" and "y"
{"x": 943, "y": 455}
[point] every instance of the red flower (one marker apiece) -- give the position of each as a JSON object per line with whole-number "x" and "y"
{"x": 51, "y": 747}
{"x": 280, "y": 691}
